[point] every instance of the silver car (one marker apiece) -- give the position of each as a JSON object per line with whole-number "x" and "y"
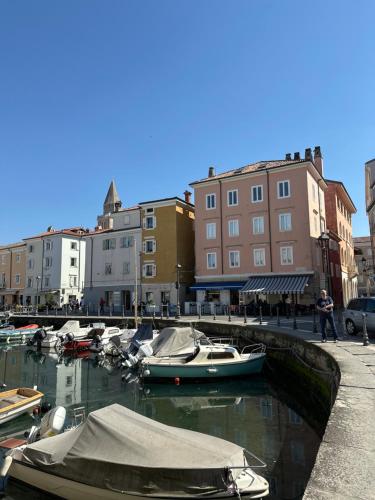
{"x": 353, "y": 315}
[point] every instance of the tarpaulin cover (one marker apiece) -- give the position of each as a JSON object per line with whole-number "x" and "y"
{"x": 176, "y": 341}
{"x": 119, "y": 449}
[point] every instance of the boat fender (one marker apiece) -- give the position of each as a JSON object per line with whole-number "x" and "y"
{"x": 177, "y": 380}
{"x": 146, "y": 372}
{"x": 5, "y": 467}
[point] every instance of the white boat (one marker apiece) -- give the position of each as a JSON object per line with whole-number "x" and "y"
{"x": 16, "y": 402}
{"x": 118, "y": 453}
{"x": 70, "y": 329}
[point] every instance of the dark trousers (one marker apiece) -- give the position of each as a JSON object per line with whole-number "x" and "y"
{"x": 331, "y": 321}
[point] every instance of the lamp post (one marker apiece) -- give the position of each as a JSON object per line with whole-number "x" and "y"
{"x": 178, "y": 311}
{"x": 38, "y": 278}
{"x": 324, "y": 245}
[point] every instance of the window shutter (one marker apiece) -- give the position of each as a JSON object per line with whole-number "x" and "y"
{"x": 154, "y": 245}
{"x": 153, "y": 270}
{"x": 144, "y": 222}
{"x": 131, "y": 241}
{"x": 144, "y": 246}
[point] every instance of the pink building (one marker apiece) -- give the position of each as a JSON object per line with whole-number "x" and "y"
{"x": 257, "y": 230}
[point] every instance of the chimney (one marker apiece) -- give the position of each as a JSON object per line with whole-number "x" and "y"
{"x": 297, "y": 156}
{"x": 187, "y": 195}
{"x": 318, "y": 160}
{"x": 308, "y": 154}
{"x": 211, "y": 172}
{"x": 288, "y": 156}
{"x": 117, "y": 205}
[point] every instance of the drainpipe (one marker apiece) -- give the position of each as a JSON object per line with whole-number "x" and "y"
{"x": 221, "y": 229}
{"x": 269, "y": 217}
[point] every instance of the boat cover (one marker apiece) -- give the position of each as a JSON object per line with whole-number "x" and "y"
{"x": 143, "y": 333}
{"x": 120, "y": 450}
{"x": 176, "y": 341}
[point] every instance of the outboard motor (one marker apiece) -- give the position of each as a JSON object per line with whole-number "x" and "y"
{"x": 69, "y": 337}
{"x": 51, "y": 424}
{"x": 38, "y": 338}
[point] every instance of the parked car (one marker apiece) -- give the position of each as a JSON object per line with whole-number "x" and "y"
{"x": 353, "y": 315}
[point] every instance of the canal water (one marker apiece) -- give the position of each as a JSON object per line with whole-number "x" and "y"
{"x": 253, "y": 412}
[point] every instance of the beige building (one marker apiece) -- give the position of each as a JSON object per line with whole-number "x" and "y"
{"x": 167, "y": 254}
{"x": 12, "y": 273}
{"x": 365, "y": 262}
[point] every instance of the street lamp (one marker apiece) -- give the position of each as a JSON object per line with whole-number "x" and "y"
{"x": 323, "y": 241}
{"x": 38, "y": 278}
{"x": 178, "y": 311}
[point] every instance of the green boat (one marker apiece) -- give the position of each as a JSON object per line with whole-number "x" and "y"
{"x": 208, "y": 361}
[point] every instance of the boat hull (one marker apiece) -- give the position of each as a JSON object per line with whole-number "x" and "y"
{"x": 71, "y": 490}
{"x": 251, "y": 366}
{"x": 15, "y": 407}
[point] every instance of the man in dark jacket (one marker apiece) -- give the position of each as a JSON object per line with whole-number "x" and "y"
{"x": 325, "y": 307}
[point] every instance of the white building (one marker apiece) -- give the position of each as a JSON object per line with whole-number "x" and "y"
{"x": 113, "y": 257}
{"x": 55, "y": 266}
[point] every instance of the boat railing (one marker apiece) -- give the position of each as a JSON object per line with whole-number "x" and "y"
{"x": 254, "y": 348}
{"x": 221, "y": 340}
{"x": 261, "y": 463}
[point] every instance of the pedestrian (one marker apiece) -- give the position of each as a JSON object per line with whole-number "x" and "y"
{"x": 102, "y": 302}
{"x": 325, "y": 307}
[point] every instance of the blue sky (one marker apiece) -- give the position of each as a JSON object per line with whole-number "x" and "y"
{"x": 151, "y": 93}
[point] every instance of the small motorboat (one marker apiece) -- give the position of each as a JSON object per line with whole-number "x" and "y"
{"x": 180, "y": 353}
{"x": 18, "y": 334}
{"x": 96, "y": 339}
{"x": 69, "y": 331}
{"x": 134, "y": 457}
{"x": 15, "y": 402}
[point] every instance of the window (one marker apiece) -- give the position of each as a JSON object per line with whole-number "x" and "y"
{"x": 150, "y": 210}
{"x": 211, "y": 260}
{"x": 48, "y": 245}
{"x": 259, "y": 257}
{"x": 149, "y": 246}
{"x": 283, "y": 189}
{"x": 31, "y": 248}
{"x": 127, "y": 241}
{"x": 258, "y": 225}
{"x": 48, "y": 262}
{"x": 73, "y": 261}
{"x": 2, "y": 259}
{"x": 149, "y": 270}
{"x": 232, "y": 197}
{"x": 285, "y": 222}
{"x": 126, "y": 220}
{"x": 234, "y": 258}
{"x": 211, "y": 230}
{"x": 46, "y": 281}
{"x": 29, "y": 282}
{"x": 233, "y": 228}
{"x": 30, "y": 264}
{"x": 149, "y": 222}
{"x": 165, "y": 297}
{"x": 257, "y": 194}
{"x": 17, "y": 279}
{"x": 109, "y": 244}
{"x": 286, "y": 254}
{"x": 126, "y": 268}
{"x": 73, "y": 245}
{"x": 18, "y": 258}
{"x": 149, "y": 297}
{"x": 108, "y": 268}
{"x": 210, "y": 201}
{"x": 69, "y": 381}
{"x": 73, "y": 281}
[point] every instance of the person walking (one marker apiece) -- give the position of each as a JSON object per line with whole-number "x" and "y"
{"x": 325, "y": 307}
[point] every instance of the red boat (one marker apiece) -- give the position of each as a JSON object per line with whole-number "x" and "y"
{"x": 78, "y": 345}
{"x": 28, "y": 327}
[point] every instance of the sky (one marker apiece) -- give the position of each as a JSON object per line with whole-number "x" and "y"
{"x": 151, "y": 93}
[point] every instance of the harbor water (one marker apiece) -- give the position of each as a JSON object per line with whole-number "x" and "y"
{"x": 252, "y": 412}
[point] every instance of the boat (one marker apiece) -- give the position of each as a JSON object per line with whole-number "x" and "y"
{"x": 18, "y": 334}
{"x": 134, "y": 457}
{"x": 96, "y": 339}
{"x": 15, "y": 402}
{"x": 183, "y": 354}
{"x": 70, "y": 330}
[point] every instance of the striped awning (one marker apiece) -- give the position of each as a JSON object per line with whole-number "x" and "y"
{"x": 292, "y": 283}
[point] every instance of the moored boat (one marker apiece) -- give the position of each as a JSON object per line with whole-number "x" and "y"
{"x": 17, "y": 334}
{"x": 134, "y": 457}
{"x": 15, "y": 402}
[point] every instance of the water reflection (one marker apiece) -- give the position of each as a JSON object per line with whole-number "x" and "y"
{"x": 248, "y": 412}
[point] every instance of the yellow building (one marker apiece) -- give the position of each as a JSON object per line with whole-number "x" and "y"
{"x": 12, "y": 273}
{"x": 167, "y": 254}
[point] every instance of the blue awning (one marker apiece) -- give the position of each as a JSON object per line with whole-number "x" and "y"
{"x": 293, "y": 283}
{"x": 219, "y": 285}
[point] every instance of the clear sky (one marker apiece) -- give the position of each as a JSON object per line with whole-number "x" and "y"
{"x": 151, "y": 93}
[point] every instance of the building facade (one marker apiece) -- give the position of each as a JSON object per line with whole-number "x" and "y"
{"x": 167, "y": 259}
{"x": 113, "y": 257}
{"x": 339, "y": 211}
{"x": 262, "y": 222}
{"x": 12, "y": 274}
{"x": 365, "y": 262}
{"x": 55, "y": 267}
